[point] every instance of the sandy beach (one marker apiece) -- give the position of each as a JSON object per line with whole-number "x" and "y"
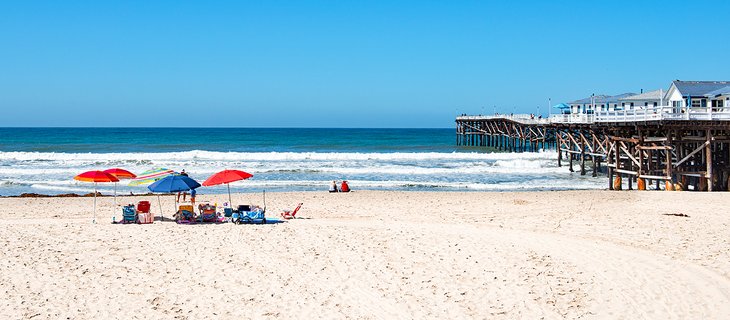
{"x": 377, "y": 255}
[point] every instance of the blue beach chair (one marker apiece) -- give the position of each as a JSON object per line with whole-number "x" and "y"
{"x": 228, "y": 214}
{"x": 129, "y": 214}
{"x": 252, "y": 215}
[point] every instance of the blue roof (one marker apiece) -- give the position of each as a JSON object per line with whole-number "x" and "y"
{"x": 699, "y": 88}
{"x": 719, "y": 92}
{"x": 603, "y": 98}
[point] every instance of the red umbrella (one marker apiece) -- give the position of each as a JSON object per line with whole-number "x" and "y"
{"x": 227, "y": 176}
{"x": 95, "y": 177}
{"x": 120, "y": 174}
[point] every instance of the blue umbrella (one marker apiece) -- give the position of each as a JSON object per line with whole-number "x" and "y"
{"x": 174, "y": 183}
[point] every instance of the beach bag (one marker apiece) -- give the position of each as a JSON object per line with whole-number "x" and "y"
{"x": 146, "y": 218}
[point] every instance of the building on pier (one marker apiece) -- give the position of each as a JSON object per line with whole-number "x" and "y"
{"x": 643, "y": 100}
{"x": 697, "y": 94}
{"x": 596, "y": 103}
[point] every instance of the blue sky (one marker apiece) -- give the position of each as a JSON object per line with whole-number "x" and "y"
{"x": 339, "y": 63}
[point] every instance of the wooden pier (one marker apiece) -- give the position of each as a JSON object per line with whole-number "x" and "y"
{"x": 651, "y": 148}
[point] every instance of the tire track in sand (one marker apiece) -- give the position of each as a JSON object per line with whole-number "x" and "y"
{"x": 628, "y": 283}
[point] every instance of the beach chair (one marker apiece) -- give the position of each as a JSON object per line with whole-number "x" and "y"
{"x": 228, "y": 214}
{"x": 291, "y": 214}
{"x": 208, "y": 213}
{"x": 129, "y": 214}
{"x": 144, "y": 215}
{"x": 255, "y": 214}
{"x": 143, "y": 207}
{"x": 185, "y": 214}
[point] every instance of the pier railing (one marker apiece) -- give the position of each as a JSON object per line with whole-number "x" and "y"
{"x": 572, "y": 118}
{"x": 638, "y": 114}
{"x": 521, "y": 118}
{"x": 659, "y": 113}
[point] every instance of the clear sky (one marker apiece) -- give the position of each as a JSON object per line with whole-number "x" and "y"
{"x": 340, "y": 63}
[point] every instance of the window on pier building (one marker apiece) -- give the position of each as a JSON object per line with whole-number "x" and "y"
{"x": 699, "y": 103}
{"x": 677, "y": 105}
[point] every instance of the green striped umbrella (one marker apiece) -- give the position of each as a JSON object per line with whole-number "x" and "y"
{"x": 151, "y": 176}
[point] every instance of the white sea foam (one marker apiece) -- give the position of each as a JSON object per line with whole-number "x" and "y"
{"x": 27, "y": 171}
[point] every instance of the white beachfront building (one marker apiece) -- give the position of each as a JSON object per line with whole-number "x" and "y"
{"x": 720, "y": 99}
{"x": 643, "y": 100}
{"x": 596, "y": 103}
{"x": 685, "y": 100}
{"x": 698, "y": 94}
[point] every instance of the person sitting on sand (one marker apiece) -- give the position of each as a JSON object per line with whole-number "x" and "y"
{"x": 344, "y": 186}
{"x": 333, "y": 186}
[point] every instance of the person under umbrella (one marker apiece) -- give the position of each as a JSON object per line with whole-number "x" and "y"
{"x": 184, "y": 194}
{"x": 172, "y": 184}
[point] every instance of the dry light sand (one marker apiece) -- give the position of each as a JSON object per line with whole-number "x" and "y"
{"x": 377, "y": 255}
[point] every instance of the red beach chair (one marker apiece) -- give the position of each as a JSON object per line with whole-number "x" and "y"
{"x": 143, "y": 211}
{"x": 143, "y": 207}
{"x": 287, "y": 214}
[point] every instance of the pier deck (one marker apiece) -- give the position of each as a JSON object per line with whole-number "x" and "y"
{"x": 669, "y": 149}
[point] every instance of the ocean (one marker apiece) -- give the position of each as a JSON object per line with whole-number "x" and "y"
{"x": 45, "y": 160}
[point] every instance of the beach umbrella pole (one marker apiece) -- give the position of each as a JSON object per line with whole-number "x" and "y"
{"x": 94, "y": 220}
{"x": 230, "y": 203}
{"x": 115, "y": 193}
{"x": 160, "y": 204}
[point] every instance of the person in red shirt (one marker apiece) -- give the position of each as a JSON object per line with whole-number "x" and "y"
{"x": 344, "y": 187}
